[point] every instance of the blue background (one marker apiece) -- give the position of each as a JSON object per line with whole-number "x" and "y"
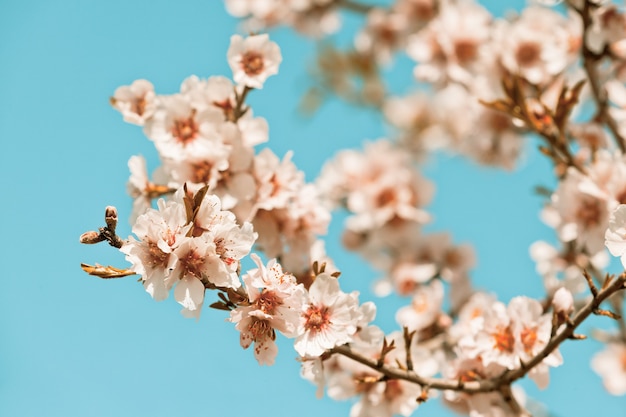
{"x": 74, "y": 345}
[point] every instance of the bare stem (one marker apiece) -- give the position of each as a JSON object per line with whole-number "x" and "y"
{"x": 240, "y": 109}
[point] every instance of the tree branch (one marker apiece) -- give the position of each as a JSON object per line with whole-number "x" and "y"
{"x": 354, "y": 6}
{"x": 496, "y": 383}
{"x": 599, "y": 94}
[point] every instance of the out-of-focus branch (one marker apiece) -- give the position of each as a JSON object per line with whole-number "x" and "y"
{"x": 610, "y": 287}
{"x": 590, "y": 60}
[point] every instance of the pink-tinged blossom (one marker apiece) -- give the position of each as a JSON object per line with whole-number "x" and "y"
{"x": 607, "y": 30}
{"x": 422, "y": 258}
{"x": 425, "y": 307}
{"x": 480, "y": 404}
{"x": 212, "y": 93}
{"x": 160, "y": 233}
{"x": 230, "y": 241}
{"x": 346, "y": 379}
{"x": 533, "y": 329}
{"x": 455, "y": 45}
{"x": 311, "y": 17}
{"x": 579, "y": 211}
{"x": 414, "y": 117}
{"x": 493, "y": 339}
{"x": 136, "y": 102}
{"x": 510, "y": 335}
{"x": 537, "y": 46}
{"x": 384, "y": 33}
{"x": 610, "y": 364}
{"x": 615, "y": 235}
{"x": 328, "y": 317}
{"x": 379, "y": 186}
{"x": 616, "y": 91}
{"x": 170, "y": 251}
{"x": 138, "y": 186}
{"x": 278, "y": 180}
{"x": 254, "y": 130}
{"x": 253, "y": 59}
{"x": 288, "y": 213}
{"x": 275, "y": 304}
{"x": 563, "y": 268}
{"x": 180, "y": 131}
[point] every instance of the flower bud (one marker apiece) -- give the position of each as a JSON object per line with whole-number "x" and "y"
{"x": 563, "y": 302}
{"x": 91, "y": 237}
{"x": 110, "y": 217}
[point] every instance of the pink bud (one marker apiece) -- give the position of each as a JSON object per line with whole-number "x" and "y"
{"x": 563, "y": 302}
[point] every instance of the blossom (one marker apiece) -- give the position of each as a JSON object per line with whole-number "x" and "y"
{"x": 616, "y": 234}
{"x": 136, "y": 102}
{"x": 425, "y": 307}
{"x": 180, "y": 130}
{"x": 380, "y": 398}
{"x": 275, "y": 304}
{"x": 579, "y": 210}
{"x": 454, "y": 46}
{"x": 171, "y": 250}
{"x": 537, "y": 46}
{"x": 562, "y": 269}
{"x": 153, "y": 256}
{"x": 610, "y": 365}
{"x": 510, "y": 335}
{"x": 378, "y": 185}
{"x": 563, "y": 302}
{"x": 328, "y": 317}
{"x": 253, "y": 59}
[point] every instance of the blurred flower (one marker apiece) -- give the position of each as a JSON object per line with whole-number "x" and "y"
{"x": 253, "y": 59}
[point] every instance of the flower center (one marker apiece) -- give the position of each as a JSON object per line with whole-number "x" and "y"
{"x": 503, "y": 339}
{"x": 185, "y": 130}
{"x": 420, "y": 303}
{"x": 465, "y": 50}
{"x": 201, "y": 172}
{"x": 139, "y": 105}
{"x": 406, "y": 286}
{"x": 588, "y": 212}
{"x": 527, "y": 54}
{"x": 268, "y": 302}
{"x": 316, "y": 318}
{"x": 156, "y": 257}
{"x": 192, "y": 264}
{"x": 529, "y": 337}
{"x": 386, "y": 197}
{"x": 252, "y": 63}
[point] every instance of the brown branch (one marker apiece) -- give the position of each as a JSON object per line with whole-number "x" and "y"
{"x": 240, "y": 110}
{"x": 590, "y": 59}
{"x": 496, "y": 383}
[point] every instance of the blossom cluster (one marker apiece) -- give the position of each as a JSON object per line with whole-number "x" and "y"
{"x": 205, "y": 137}
{"x": 493, "y": 81}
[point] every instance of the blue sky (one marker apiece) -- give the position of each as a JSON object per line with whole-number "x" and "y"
{"x": 73, "y": 345}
